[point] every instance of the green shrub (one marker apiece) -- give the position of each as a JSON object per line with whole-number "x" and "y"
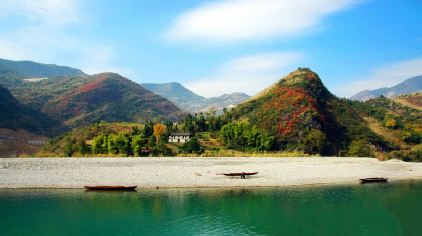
{"x": 191, "y": 146}
{"x": 315, "y": 142}
{"x": 360, "y": 148}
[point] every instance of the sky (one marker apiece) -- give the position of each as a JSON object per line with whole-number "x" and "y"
{"x": 221, "y": 46}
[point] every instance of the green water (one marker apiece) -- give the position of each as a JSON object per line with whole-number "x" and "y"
{"x": 380, "y": 209}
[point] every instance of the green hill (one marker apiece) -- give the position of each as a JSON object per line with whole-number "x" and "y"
{"x": 14, "y": 72}
{"x": 80, "y": 101}
{"x": 413, "y": 100}
{"x": 299, "y": 110}
{"x": 17, "y": 116}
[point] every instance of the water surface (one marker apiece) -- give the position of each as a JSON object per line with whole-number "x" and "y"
{"x": 379, "y": 209}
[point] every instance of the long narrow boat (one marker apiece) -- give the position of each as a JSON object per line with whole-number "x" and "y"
{"x": 241, "y": 174}
{"x": 116, "y": 188}
{"x": 373, "y": 180}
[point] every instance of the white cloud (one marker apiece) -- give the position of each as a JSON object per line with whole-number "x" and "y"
{"x": 44, "y": 36}
{"x": 385, "y": 76}
{"x": 249, "y": 74}
{"x": 48, "y": 12}
{"x": 238, "y": 20}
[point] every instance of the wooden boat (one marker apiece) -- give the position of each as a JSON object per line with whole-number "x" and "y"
{"x": 241, "y": 174}
{"x": 115, "y": 188}
{"x": 373, "y": 180}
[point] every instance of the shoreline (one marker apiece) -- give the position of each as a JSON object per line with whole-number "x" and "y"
{"x": 198, "y": 172}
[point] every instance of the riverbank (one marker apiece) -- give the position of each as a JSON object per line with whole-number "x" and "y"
{"x": 174, "y": 172}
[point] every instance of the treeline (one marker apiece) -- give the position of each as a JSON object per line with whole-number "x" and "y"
{"x": 151, "y": 139}
{"x": 232, "y": 132}
{"x": 201, "y": 122}
{"x": 245, "y": 138}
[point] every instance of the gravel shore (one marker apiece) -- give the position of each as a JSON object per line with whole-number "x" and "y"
{"x": 175, "y": 172}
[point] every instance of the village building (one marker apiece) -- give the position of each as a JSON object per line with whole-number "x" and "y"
{"x": 179, "y": 137}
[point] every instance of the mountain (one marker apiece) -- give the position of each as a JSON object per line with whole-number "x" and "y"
{"x": 35, "y": 69}
{"x": 79, "y": 101}
{"x": 408, "y": 86}
{"x": 16, "y": 72}
{"x": 299, "y": 109}
{"x": 225, "y": 101}
{"x": 191, "y": 102}
{"x": 14, "y": 115}
{"x": 179, "y": 95}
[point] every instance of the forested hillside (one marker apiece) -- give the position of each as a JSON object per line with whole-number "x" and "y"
{"x": 80, "y": 101}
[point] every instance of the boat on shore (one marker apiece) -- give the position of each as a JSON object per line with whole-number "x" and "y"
{"x": 373, "y": 180}
{"x": 114, "y": 188}
{"x": 241, "y": 174}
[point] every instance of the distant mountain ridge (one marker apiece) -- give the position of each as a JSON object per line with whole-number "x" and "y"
{"x": 13, "y": 72}
{"x": 411, "y": 85}
{"x": 175, "y": 92}
{"x": 191, "y": 102}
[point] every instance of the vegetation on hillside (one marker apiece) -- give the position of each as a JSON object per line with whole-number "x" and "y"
{"x": 13, "y": 73}
{"x": 110, "y": 139}
{"x": 81, "y": 101}
{"x": 402, "y": 125}
{"x": 296, "y": 115}
{"x": 301, "y": 114}
{"x": 413, "y": 100}
{"x": 14, "y": 115}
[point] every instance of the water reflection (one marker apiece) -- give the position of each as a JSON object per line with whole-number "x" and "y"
{"x": 380, "y": 209}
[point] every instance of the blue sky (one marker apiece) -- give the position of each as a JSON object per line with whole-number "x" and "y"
{"x": 216, "y": 47}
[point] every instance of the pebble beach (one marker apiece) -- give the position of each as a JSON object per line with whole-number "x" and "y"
{"x": 199, "y": 172}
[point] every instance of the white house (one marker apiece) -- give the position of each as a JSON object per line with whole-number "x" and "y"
{"x": 179, "y": 137}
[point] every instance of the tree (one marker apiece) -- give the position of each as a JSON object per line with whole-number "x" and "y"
{"x": 359, "y": 148}
{"x": 391, "y": 123}
{"x": 148, "y": 129}
{"x": 412, "y": 136}
{"x": 136, "y": 130}
{"x": 189, "y": 124}
{"x": 200, "y": 123}
{"x": 191, "y": 146}
{"x": 100, "y": 144}
{"x": 138, "y": 142}
{"x": 169, "y": 126}
{"x": 315, "y": 142}
{"x": 245, "y": 137}
{"x": 152, "y": 142}
{"x": 159, "y": 129}
{"x": 82, "y": 147}
{"x": 113, "y": 144}
{"x": 68, "y": 147}
{"x": 124, "y": 143}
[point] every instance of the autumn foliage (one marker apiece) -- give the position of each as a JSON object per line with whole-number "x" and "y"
{"x": 303, "y": 115}
{"x": 159, "y": 129}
